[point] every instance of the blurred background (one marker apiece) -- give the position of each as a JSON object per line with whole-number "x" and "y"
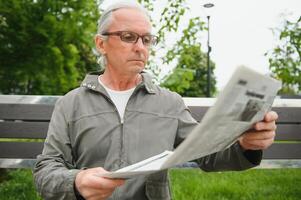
{"x": 46, "y": 47}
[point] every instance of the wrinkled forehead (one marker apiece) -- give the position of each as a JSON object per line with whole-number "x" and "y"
{"x": 130, "y": 17}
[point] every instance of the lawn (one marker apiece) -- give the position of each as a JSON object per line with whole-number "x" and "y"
{"x": 256, "y": 184}
{"x": 17, "y": 185}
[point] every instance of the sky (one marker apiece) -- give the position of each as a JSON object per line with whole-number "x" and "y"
{"x": 240, "y": 31}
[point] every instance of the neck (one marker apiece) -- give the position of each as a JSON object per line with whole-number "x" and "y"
{"x": 120, "y": 82}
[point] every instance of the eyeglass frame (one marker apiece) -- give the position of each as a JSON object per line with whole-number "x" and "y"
{"x": 119, "y": 33}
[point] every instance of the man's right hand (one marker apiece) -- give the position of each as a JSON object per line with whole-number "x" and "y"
{"x": 91, "y": 186}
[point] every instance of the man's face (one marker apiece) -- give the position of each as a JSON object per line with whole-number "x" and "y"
{"x": 122, "y": 57}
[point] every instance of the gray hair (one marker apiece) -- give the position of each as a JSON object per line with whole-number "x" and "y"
{"x": 105, "y": 21}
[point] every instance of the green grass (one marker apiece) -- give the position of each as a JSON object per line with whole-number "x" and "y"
{"x": 256, "y": 184}
{"x": 190, "y": 184}
{"x": 17, "y": 185}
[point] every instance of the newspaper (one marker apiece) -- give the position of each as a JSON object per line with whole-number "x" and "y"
{"x": 245, "y": 100}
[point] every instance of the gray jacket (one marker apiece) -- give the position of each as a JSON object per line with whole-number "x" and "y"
{"x": 85, "y": 131}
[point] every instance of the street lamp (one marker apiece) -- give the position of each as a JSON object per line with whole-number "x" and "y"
{"x": 208, "y": 6}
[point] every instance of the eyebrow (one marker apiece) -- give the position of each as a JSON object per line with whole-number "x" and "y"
{"x": 148, "y": 33}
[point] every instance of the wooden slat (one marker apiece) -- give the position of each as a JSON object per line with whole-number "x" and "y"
{"x": 289, "y": 128}
{"x": 37, "y": 130}
{"x": 288, "y": 114}
{"x": 44, "y": 111}
{"x": 288, "y": 132}
{"x": 26, "y": 111}
{"x": 32, "y": 149}
{"x": 17, "y": 163}
{"x": 283, "y": 151}
{"x": 198, "y": 112}
{"x": 20, "y": 149}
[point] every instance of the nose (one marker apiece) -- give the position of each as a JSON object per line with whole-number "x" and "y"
{"x": 141, "y": 49}
{"x": 139, "y": 44}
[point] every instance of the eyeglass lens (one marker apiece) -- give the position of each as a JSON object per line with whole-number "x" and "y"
{"x": 133, "y": 38}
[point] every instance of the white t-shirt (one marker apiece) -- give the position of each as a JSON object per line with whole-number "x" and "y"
{"x": 119, "y": 98}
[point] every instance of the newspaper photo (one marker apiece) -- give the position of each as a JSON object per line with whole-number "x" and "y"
{"x": 244, "y": 101}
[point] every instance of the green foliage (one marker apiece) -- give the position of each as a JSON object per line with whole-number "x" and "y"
{"x": 167, "y": 26}
{"x": 45, "y": 46}
{"x": 179, "y": 80}
{"x": 169, "y": 17}
{"x": 259, "y": 184}
{"x": 189, "y": 78}
{"x": 285, "y": 58}
{"x": 186, "y": 53}
{"x": 18, "y": 185}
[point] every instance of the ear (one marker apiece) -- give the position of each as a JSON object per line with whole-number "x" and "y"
{"x": 99, "y": 43}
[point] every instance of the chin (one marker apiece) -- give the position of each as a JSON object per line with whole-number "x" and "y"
{"x": 138, "y": 68}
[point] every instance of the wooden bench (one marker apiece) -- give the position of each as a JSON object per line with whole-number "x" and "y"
{"x": 24, "y": 122}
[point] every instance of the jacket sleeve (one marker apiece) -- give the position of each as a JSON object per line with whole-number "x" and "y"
{"x": 55, "y": 172}
{"x": 232, "y": 158}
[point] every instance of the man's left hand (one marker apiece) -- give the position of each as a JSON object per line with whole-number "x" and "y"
{"x": 262, "y": 135}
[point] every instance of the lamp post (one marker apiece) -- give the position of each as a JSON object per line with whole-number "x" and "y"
{"x": 208, "y": 5}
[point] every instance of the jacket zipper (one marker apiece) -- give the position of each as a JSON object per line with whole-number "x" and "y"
{"x": 122, "y": 127}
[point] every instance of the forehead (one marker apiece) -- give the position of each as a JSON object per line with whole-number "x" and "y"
{"x": 130, "y": 19}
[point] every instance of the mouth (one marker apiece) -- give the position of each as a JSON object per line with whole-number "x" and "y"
{"x": 137, "y": 60}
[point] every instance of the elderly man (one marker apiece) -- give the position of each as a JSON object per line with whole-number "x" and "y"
{"x": 119, "y": 117}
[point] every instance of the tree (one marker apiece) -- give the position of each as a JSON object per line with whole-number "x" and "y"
{"x": 285, "y": 58}
{"x": 45, "y": 46}
{"x": 167, "y": 26}
{"x": 189, "y": 75}
{"x": 186, "y": 52}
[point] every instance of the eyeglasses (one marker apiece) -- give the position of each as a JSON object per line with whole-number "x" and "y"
{"x": 132, "y": 37}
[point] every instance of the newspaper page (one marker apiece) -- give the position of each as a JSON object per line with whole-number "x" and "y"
{"x": 245, "y": 100}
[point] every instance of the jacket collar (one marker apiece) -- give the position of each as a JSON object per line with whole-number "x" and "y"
{"x": 91, "y": 82}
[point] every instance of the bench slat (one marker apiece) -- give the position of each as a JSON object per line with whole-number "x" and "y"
{"x": 36, "y": 119}
{"x": 32, "y": 149}
{"x": 38, "y": 112}
{"x": 283, "y": 151}
{"x": 20, "y": 149}
{"x": 286, "y": 114}
{"x": 44, "y": 111}
{"x": 17, "y": 163}
{"x": 36, "y": 130}
{"x": 290, "y": 132}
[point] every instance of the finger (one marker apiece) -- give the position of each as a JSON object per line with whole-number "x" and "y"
{"x": 259, "y": 126}
{"x": 97, "y": 193}
{"x": 270, "y": 116}
{"x": 257, "y": 144}
{"x": 101, "y": 170}
{"x": 258, "y": 135}
{"x": 248, "y": 146}
{"x": 107, "y": 183}
{"x": 104, "y": 194}
{"x": 92, "y": 194}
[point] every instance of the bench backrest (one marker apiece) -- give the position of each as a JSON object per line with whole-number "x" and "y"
{"x": 23, "y": 128}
